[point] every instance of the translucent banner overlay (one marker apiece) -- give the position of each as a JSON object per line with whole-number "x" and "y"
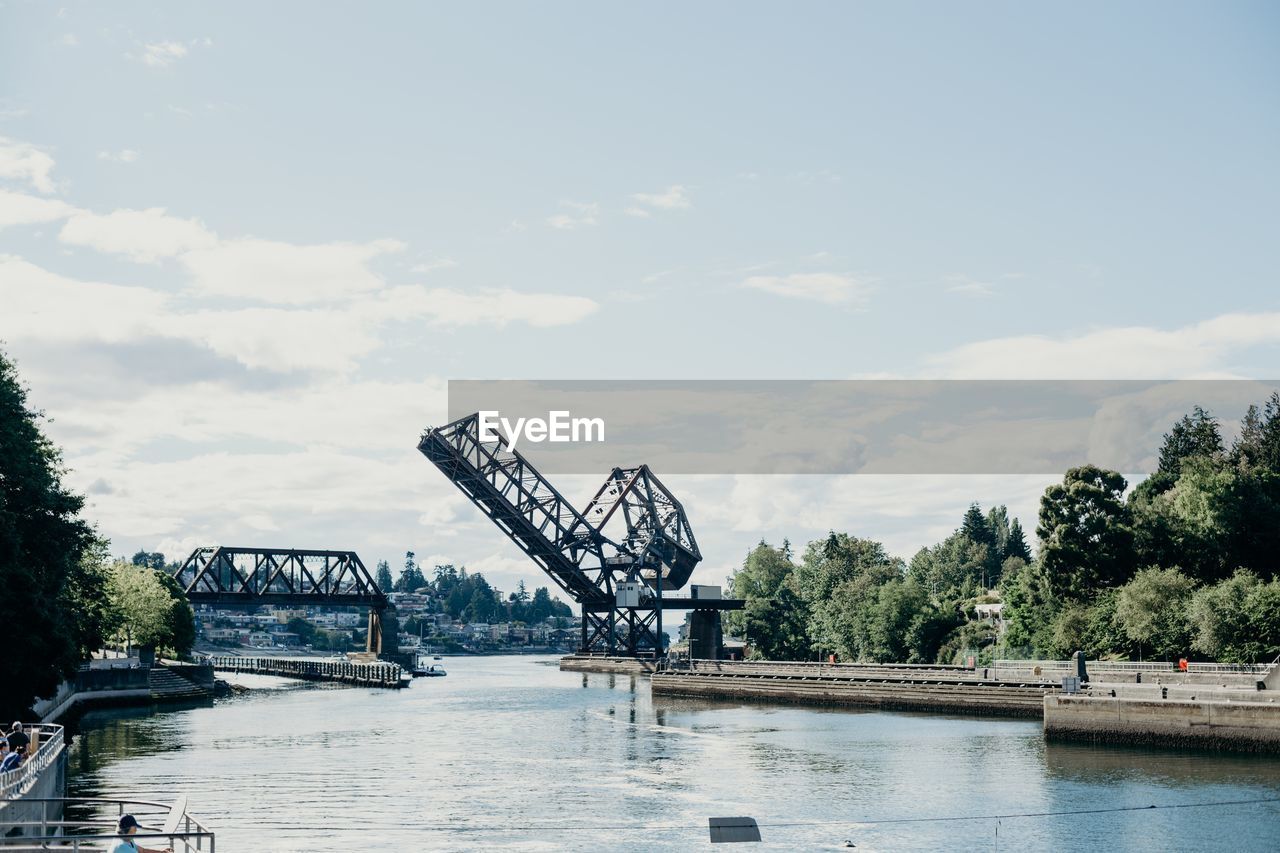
{"x": 848, "y": 426}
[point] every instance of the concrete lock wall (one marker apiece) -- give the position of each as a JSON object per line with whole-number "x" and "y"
{"x": 49, "y": 783}
{"x": 1237, "y": 726}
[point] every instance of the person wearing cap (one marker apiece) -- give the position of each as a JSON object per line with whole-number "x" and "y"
{"x": 128, "y": 827}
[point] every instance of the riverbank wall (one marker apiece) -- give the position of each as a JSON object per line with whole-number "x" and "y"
{"x": 112, "y": 684}
{"x": 1204, "y": 723}
{"x": 620, "y": 666}
{"x": 920, "y": 690}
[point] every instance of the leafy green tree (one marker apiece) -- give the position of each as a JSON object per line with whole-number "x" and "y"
{"x": 1086, "y": 533}
{"x": 152, "y": 609}
{"x": 839, "y": 579}
{"x": 774, "y": 618}
{"x": 1238, "y": 619}
{"x": 382, "y": 577}
{"x": 149, "y": 559}
{"x": 1151, "y": 609}
{"x": 1029, "y": 609}
{"x": 955, "y": 568}
{"x": 45, "y": 581}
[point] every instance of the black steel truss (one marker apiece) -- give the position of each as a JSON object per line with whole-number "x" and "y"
{"x": 229, "y": 575}
{"x": 654, "y": 542}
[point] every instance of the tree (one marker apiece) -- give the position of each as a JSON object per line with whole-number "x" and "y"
{"x": 411, "y": 578}
{"x": 1029, "y": 608}
{"x": 149, "y": 559}
{"x": 382, "y": 577}
{"x": 1017, "y": 543}
{"x": 1193, "y": 435}
{"x": 1238, "y": 619}
{"x": 1085, "y": 533}
{"x": 773, "y": 620}
{"x": 1151, "y": 609}
{"x": 151, "y": 609}
{"x": 46, "y": 582}
{"x": 839, "y": 579}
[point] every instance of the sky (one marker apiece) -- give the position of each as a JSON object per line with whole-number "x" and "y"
{"x": 244, "y": 246}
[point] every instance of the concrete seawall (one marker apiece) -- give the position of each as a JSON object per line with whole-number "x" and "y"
{"x": 1235, "y": 726}
{"x": 923, "y": 693}
{"x": 622, "y": 666}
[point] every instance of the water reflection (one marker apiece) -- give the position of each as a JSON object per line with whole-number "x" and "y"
{"x": 503, "y": 746}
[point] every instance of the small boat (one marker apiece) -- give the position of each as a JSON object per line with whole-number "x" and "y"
{"x": 433, "y": 671}
{"x": 437, "y": 657}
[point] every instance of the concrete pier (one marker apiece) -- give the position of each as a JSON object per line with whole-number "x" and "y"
{"x": 593, "y": 663}
{"x": 377, "y": 674}
{"x": 922, "y": 690}
{"x": 1202, "y": 723}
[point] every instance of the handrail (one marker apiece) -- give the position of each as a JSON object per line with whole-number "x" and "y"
{"x": 1136, "y": 666}
{"x": 184, "y": 832}
{"x": 15, "y": 782}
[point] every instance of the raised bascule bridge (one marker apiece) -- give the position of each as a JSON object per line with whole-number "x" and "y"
{"x": 621, "y": 559}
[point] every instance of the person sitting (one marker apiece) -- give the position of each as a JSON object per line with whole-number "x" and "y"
{"x": 127, "y": 827}
{"x": 14, "y": 759}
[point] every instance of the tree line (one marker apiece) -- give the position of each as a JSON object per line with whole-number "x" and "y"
{"x": 468, "y": 596}
{"x": 1183, "y": 565}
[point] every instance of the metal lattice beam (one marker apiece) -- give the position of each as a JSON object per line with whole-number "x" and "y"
{"x": 229, "y": 575}
{"x": 653, "y": 541}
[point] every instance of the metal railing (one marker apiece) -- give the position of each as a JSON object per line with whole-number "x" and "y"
{"x": 1135, "y": 666}
{"x": 49, "y": 740}
{"x": 379, "y": 674}
{"x": 169, "y": 824}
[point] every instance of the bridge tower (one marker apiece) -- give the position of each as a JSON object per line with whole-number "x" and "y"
{"x": 617, "y": 559}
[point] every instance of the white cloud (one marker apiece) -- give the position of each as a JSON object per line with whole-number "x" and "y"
{"x": 966, "y": 286}
{"x": 69, "y": 40}
{"x": 144, "y": 235}
{"x": 162, "y": 54}
{"x": 831, "y": 288}
{"x": 1200, "y": 350}
{"x": 672, "y": 198}
{"x": 639, "y": 212}
{"x": 41, "y": 305}
{"x": 126, "y": 155}
{"x": 498, "y": 307}
{"x": 433, "y": 265}
{"x": 284, "y": 273}
{"x": 22, "y": 209}
{"x": 20, "y": 161}
{"x": 583, "y": 214}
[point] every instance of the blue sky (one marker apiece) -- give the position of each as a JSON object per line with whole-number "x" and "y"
{"x": 245, "y": 244}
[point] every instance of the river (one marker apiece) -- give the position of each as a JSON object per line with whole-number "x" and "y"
{"x": 511, "y": 753}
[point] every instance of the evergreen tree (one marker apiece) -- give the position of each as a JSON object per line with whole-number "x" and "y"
{"x": 1017, "y": 543}
{"x": 1195, "y": 434}
{"x": 382, "y": 577}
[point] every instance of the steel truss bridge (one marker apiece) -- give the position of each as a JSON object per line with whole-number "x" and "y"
{"x": 617, "y": 558}
{"x": 229, "y": 576}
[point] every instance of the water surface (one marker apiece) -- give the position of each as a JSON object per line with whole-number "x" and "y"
{"x": 510, "y": 753}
